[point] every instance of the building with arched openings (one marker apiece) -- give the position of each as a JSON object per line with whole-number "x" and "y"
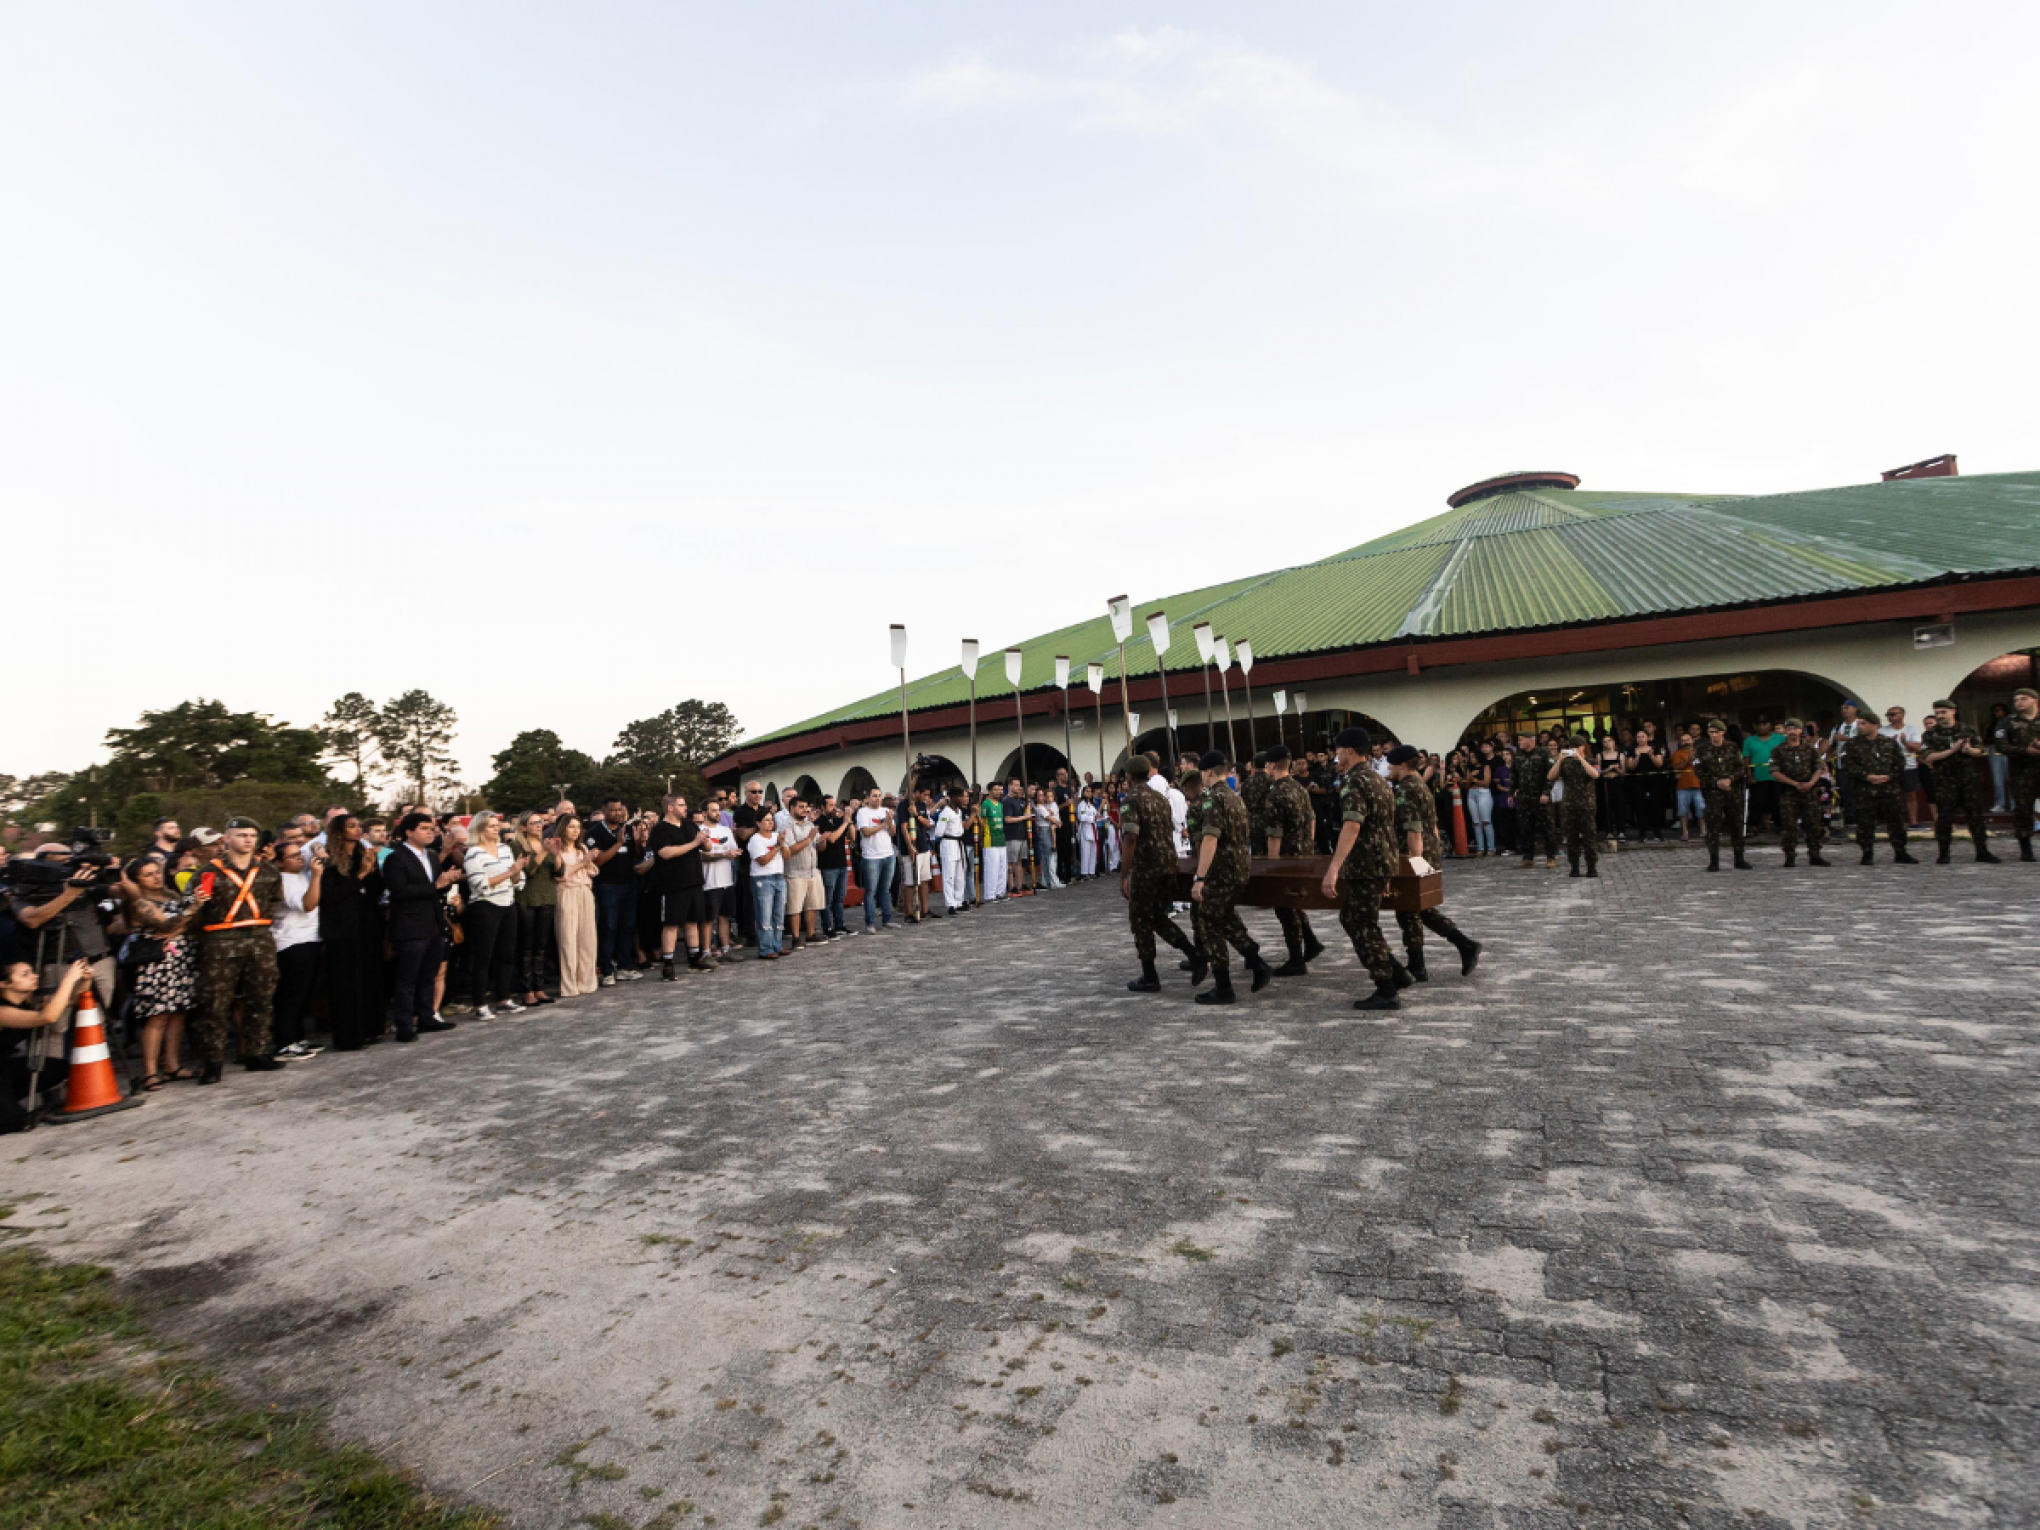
{"x": 1530, "y": 601}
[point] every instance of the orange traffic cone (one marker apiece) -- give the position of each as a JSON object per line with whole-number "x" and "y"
{"x": 90, "y": 1089}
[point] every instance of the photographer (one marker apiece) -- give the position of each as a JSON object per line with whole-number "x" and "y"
{"x": 20, "y": 1013}
{"x": 54, "y": 898}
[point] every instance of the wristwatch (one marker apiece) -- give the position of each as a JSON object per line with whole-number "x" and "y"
{"x": 1195, "y": 880}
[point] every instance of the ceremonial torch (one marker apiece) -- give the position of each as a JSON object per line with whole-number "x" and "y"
{"x": 1158, "y": 639}
{"x": 1245, "y": 651}
{"x": 1122, "y": 629}
{"x": 899, "y": 658}
{"x": 1202, "y": 632}
{"x": 969, "y": 666}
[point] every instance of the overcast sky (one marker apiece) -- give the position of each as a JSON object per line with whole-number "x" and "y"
{"x": 567, "y": 360}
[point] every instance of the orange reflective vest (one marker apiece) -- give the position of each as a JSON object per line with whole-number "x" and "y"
{"x": 244, "y": 913}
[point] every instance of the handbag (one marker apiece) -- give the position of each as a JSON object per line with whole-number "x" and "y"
{"x": 141, "y": 950}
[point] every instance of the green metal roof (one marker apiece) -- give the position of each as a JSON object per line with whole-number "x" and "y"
{"x": 1550, "y": 558}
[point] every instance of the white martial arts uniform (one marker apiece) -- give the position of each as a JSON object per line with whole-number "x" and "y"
{"x": 955, "y": 864}
{"x": 1087, "y": 840}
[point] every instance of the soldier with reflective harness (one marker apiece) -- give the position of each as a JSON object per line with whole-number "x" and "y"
{"x": 238, "y": 897}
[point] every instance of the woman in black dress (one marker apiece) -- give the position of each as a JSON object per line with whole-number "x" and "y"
{"x": 350, "y": 927}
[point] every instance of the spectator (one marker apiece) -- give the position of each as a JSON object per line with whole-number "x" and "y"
{"x": 1045, "y": 856}
{"x": 164, "y": 841}
{"x": 20, "y": 1013}
{"x": 1692, "y": 804}
{"x": 494, "y": 872}
{"x": 1019, "y": 839}
{"x": 804, "y": 894}
{"x": 575, "y": 910}
{"x": 537, "y": 905}
{"x": 910, "y": 850}
{"x": 718, "y": 883}
{"x": 676, "y": 843}
{"x": 166, "y": 970}
{"x": 2000, "y": 764}
{"x": 613, "y": 845}
{"x": 875, "y": 848}
{"x": 1477, "y": 777}
{"x": 992, "y": 815}
{"x": 744, "y": 821}
{"x": 832, "y": 857}
{"x": 952, "y": 824}
{"x": 296, "y": 932}
{"x": 1087, "y": 833}
{"x": 1756, "y": 752}
{"x": 768, "y": 887}
{"x": 417, "y": 884}
{"x": 351, "y": 934}
{"x": 1908, "y": 736}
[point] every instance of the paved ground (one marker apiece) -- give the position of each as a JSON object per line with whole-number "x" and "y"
{"x": 1709, "y": 1200}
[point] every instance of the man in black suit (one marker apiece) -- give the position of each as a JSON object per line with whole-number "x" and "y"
{"x": 417, "y": 923}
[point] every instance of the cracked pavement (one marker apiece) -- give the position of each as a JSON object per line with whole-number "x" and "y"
{"x": 1709, "y": 1200}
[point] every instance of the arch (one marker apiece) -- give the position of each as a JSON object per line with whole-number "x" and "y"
{"x": 807, "y": 788}
{"x": 935, "y": 771}
{"x": 772, "y": 792}
{"x": 1739, "y": 698}
{"x": 1043, "y": 761}
{"x": 856, "y": 782}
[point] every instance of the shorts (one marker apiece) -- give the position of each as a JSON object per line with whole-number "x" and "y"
{"x": 718, "y": 903}
{"x": 915, "y": 870}
{"x": 804, "y": 894}
{"x": 1692, "y": 802}
{"x": 1017, "y": 848}
{"x": 688, "y": 906}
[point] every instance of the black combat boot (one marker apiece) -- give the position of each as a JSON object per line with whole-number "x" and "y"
{"x": 1944, "y": 856}
{"x": 1741, "y": 864}
{"x": 1593, "y": 868}
{"x": 1149, "y": 980}
{"x": 210, "y": 1073}
{"x": 1417, "y": 969}
{"x": 1295, "y": 966}
{"x": 1575, "y": 866}
{"x": 1313, "y": 948}
{"x": 2025, "y": 847}
{"x": 1403, "y": 978}
{"x": 1869, "y": 857}
{"x": 1221, "y": 991}
{"x": 1900, "y": 854}
{"x": 1813, "y": 858}
{"x": 1263, "y": 973}
{"x": 1381, "y": 998}
{"x": 1792, "y": 857}
{"x": 1469, "y": 955}
{"x": 1714, "y": 860}
{"x": 1200, "y": 969}
{"x": 1983, "y": 851}
{"x": 263, "y": 1064}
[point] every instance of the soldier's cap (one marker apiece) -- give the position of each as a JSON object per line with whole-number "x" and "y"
{"x": 2026, "y": 690}
{"x": 1793, "y": 722}
{"x": 1402, "y": 754}
{"x": 1261, "y": 758}
{"x": 1354, "y": 738}
{"x": 1940, "y": 704}
{"x": 1211, "y": 759}
{"x": 243, "y": 823}
{"x": 1716, "y": 725}
{"x": 1279, "y": 755}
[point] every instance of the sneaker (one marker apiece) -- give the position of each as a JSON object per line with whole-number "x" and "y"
{"x": 513, "y": 1006}
{"x": 485, "y": 1013}
{"x": 608, "y": 980}
{"x": 629, "y": 975}
{"x": 297, "y": 1049}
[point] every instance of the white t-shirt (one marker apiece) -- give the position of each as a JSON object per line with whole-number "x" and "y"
{"x": 718, "y": 873}
{"x": 874, "y": 847}
{"x": 294, "y": 927}
{"x": 757, "y": 845}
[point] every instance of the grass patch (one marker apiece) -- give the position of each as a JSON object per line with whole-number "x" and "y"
{"x": 1183, "y": 1248}
{"x": 97, "y": 1430}
{"x": 657, "y": 1240}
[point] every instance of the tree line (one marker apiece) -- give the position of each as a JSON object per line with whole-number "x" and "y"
{"x": 201, "y": 761}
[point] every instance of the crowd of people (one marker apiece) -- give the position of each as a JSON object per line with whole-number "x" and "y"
{"x": 246, "y": 945}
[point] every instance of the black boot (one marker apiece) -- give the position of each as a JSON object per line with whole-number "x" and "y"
{"x": 1983, "y": 852}
{"x": 1417, "y": 969}
{"x": 666, "y": 969}
{"x": 1149, "y": 980}
{"x": 1313, "y": 948}
{"x": 1575, "y": 866}
{"x": 1792, "y": 858}
{"x": 263, "y": 1064}
{"x": 1714, "y": 860}
{"x": 1184, "y": 965}
{"x": 1469, "y": 955}
{"x": 1902, "y": 856}
{"x": 1404, "y": 978}
{"x": 1593, "y": 868}
{"x": 1221, "y": 991}
{"x": 1200, "y": 969}
{"x": 1944, "y": 856}
{"x": 1263, "y": 973}
{"x": 210, "y": 1073}
{"x": 1381, "y": 998}
{"x": 1296, "y": 965}
{"x": 1742, "y": 864}
{"x": 2025, "y": 847}
{"x": 1813, "y": 858}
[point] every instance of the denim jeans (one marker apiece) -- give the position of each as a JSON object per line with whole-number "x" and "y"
{"x": 1044, "y": 857}
{"x": 768, "y": 898}
{"x": 878, "y": 874}
{"x": 615, "y": 926}
{"x": 1480, "y": 818}
{"x": 833, "y": 885}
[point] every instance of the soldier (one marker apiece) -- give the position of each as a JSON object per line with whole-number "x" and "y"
{"x": 1533, "y": 802}
{"x": 1723, "y": 772}
{"x": 1955, "y": 753}
{"x": 1292, "y": 827}
{"x": 1416, "y": 824}
{"x": 2018, "y": 739}
{"x": 1222, "y": 868}
{"x": 1797, "y": 768}
{"x": 237, "y": 896}
{"x": 1147, "y": 877}
{"x": 1362, "y": 862}
{"x": 1576, "y": 771}
{"x": 1254, "y": 793}
{"x": 1875, "y": 767}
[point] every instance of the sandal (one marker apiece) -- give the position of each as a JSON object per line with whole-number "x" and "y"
{"x": 150, "y": 1083}
{"x": 178, "y": 1076}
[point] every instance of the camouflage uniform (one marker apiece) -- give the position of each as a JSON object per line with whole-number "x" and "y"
{"x": 237, "y": 956}
{"x": 1192, "y": 788}
{"x": 1576, "y": 812}
{"x": 1254, "y": 793}
{"x": 1223, "y": 817}
{"x": 1533, "y": 816}
{"x": 1959, "y": 784}
{"x": 2014, "y": 737}
{"x": 1367, "y": 800}
{"x": 1877, "y": 805}
{"x": 1798, "y": 811}
{"x": 1148, "y": 829}
{"x": 1291, "y": 815}
{"x": 1713, "y": 763}
{"x": 1416, "y": 812}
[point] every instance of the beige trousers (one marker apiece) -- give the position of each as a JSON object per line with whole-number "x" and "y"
{"x": 577, "y": 941}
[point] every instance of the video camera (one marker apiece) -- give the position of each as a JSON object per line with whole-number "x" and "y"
{"x": 41, "y": 877}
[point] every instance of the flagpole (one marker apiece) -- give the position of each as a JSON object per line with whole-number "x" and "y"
{"x": 1223, "y": 657}
{"x": 1246, "y": 657}
{"x": 899, "y": 658}
{"x": 1158, "y": 639}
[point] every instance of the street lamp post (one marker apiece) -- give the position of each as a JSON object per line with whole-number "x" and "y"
{"x": 1158, "y": 639}
{"x": 899, "y": 658}
{"x": 1245, "y": 650}
{"x": 1202, "y": 632}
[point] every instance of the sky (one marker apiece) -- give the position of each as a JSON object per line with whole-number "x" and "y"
{"x": 570, "y": 360}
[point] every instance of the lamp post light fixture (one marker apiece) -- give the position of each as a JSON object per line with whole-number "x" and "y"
{"x": 899, "y": 659}
{"x": 1202, "y": 632}
{"x": 1222, "y": 657}
{"x": 1013, "y": 662}
{"x": 1158, "y": 639}
{"x": 969, "y": 666}
{"x": 1245, "y": 653}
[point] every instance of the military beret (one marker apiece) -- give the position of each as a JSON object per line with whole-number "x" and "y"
{"x": 243, "y": 823}
{"x": 2026, "y": 690}
{"x": 1716, "y": 725}
{"x": 1211, "y": 759}
{"x": 1276, "y": 756}
{"x": 1948, "y": 704}
{"x": 1402, "y": 754}
{"x": 1353, "y": 738}
{"x": 1793, "y": 722}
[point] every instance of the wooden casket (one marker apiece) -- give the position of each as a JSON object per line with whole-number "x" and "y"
{"x": 1297, "y": 881}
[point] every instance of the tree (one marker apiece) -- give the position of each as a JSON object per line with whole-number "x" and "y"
{"x": 529, "y": 774}
{"x": 692, "y": 733}
{"x": 412, "y": 732}
{"x": 19, "y": 795}
{"x": 350, "y": 733}
{"x": 200, "y": 744}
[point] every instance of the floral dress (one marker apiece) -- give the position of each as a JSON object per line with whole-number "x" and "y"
{"x": 168, "y": 985}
